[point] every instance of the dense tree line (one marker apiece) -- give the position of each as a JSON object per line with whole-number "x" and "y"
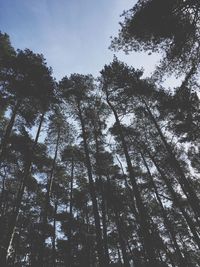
{"x": 104, "y": 171}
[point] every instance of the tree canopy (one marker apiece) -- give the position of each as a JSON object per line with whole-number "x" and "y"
{"x": 104, "y": 171}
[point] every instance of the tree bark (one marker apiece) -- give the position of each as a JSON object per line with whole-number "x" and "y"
{"x": 100, "y": 250}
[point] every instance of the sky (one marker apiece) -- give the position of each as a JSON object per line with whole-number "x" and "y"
{"x": 73, "y": 35}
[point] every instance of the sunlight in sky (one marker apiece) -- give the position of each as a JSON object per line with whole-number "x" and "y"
{"x": 73, "y": 35}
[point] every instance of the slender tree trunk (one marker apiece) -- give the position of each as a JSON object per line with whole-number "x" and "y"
{"x": 121, "y": 239}
{"x": 119, "y": 255}
{"x": 88, "y": 244}
{"x": 153, "y": 226}
{"x": 3, "y": 195}
{"x": 185, "y": 184}
{"x": 120, "y": 229}
{"x": 70, "y": 260}
{"x": 54, "y": 236}
{"x": 167, "y": 222}
{"x": 104, "y": 223}
{"x": 103, "y": 205}
{"x": 143, "y": 217}
{"x": 5, "y": 139}
{"x": 47, "y": 202}
{"x": 7, "y": 244}
{"x": 177, "y": 201}
{"x": 100, "y": 250}
{"x": 132, "y": 204}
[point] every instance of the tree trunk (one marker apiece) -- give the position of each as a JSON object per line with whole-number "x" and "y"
{"x": 167, "y": 222}
{"x": 100, "y": 250}
{"x": 184, "y": 183}
{"x": 176, "y": 200}
{"x": 153, "y": 226}
{"x": 70, "y": 260}
{"x": 3, "y": 195}
{"x": 88, "y": 260}
{"x": 119, "y": 225}
{"x": 54, "y": 236}
{"x": 119, "y": 255}
{"x": 7, "y": 244}
{"x": 103, "y": 204}
{"x": 5, "y": 139}
{"x": 47, "y": 203}
{"x": 143, "y": 217}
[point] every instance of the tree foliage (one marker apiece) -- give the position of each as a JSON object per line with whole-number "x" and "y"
{"x": 103, "y": 172}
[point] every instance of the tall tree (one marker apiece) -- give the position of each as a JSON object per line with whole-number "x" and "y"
{"x": 75, "y": 92}
{"x": 171, "y": 27}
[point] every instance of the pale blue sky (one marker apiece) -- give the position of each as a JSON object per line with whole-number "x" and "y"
{"x": 73, "y": 35}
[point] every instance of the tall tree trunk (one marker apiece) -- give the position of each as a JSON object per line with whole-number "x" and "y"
{"x": 54, "y": 236}
{"x": 167, "y": 222}
{"x": 143, "y": 217}
{"x": 104, "y": 223}
{"x": 103, "y": 204}
{"x": 153, "y": 226}
{"x": 176, "y": 200}
{"x": 7, "y": 242}
{"x": 3, "y": 195}
{"x": 132, "y": 204}
{"x": 184, "y": 183}
{"x": 70, "y": 260}
{"x": 119, "y": 255}
{"x": 5, "y": 139}
{"x": 47, "y": 202}
{"x": 119, "y": 225}
{"x": 88, "y": 244}
{"x": 100, "y": 250}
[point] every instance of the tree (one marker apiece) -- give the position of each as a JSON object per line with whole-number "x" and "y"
{"x": 171, "y": 27}
{"x": 75, "y": 92}
{"x": 32, "y": 75}
{"x": 142, "y": 212}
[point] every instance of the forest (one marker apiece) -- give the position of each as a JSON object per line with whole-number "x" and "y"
{"x": 104, "y": 171}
